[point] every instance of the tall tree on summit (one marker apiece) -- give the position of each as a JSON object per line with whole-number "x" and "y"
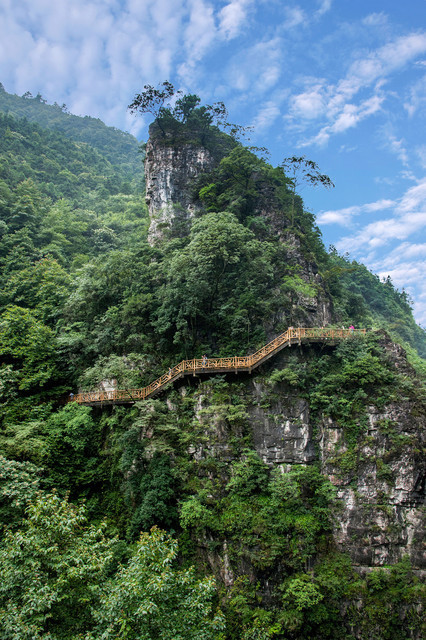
{"x": 171, "y": 107}
{"x": 301, "y": 170}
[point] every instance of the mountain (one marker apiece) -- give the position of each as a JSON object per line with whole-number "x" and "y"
{"x": 119, "y": 148}
{"x": 295, "y": 490}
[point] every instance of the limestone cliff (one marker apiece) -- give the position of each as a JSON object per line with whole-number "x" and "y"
{"x": 170, "y": 171}
{"x": 361, "y": 432}
{"x": 380, "y": 482}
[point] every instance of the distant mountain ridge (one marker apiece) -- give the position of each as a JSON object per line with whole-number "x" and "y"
{"x": 118, "y": 147}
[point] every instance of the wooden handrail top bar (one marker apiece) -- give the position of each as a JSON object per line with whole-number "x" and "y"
{"x": 209, "y": 365}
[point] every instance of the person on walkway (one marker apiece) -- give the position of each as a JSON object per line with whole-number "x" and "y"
{"x": 204, "y": 360}
{"x": 352, "y": 328}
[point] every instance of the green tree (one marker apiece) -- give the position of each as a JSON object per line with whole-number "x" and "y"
{"x": 149, "y": 598}
{"x": 199, "y": 121}
{"x": 43, "y": 286}
{"x": 73, "y": 441}
{"x": 213, "y": 282}
{"x": 50, "y": 572}
{"x": 29, "y": 346}
{"x": 301, "y": 170}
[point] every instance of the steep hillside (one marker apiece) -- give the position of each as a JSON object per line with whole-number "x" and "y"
{"x": 119, "y": 148}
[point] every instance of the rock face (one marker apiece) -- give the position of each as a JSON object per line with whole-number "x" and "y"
{"x": 282, "y": 433}
{"x": 381, "y": 487}
{"x": 380, "y": 483}
{"x": 170, "y": 171}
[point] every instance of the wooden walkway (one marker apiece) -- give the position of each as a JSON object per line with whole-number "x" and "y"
{"x": 199, "y": 366}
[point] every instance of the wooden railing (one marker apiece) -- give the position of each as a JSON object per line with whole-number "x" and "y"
{"x": 216, "y": 365}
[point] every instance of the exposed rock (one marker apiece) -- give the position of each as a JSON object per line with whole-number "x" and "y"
{"x": 380, "y": 482}
{"x": 170, "y": 171}
{"x": 381, "y": 519}
{"x": 282, "y": 433}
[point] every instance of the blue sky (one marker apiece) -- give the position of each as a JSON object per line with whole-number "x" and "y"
{"x": 340, "y": 81}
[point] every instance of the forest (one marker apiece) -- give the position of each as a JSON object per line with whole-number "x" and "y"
{"x": 161, "y": 519}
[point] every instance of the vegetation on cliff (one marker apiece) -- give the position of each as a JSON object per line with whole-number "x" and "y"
{"x": 83, "y": 299}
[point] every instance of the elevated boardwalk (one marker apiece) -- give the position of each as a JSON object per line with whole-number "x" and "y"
{"x": 200, "y": 366}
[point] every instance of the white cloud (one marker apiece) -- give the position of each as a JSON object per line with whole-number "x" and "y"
{"x": 409, "y": 218}
{"x": 198, "y": 37}
{"x": 348, "y": 118}
{"x": 421, "y": 154}
{"x": 311, "y": 103}
{"x": 395, "y": 146}
{"x": 382, "y": 62}
{"x": 375, "y": 20}
{"x": 416, "y": 101}
{"x": 379, "y": 205}
{"x": 201, "y": 29}
{"x": 409, "y": 276}
{"x": 233, "y": 17}
{"x": 405, "y": 251}
{"x": 391, "y": 246}
{"x": 335, "y": 104}
{"x": 344, "y": 217}
{"x": 258, "y": 68}
{"x": 325, "y": 6}
{"x": 267, "y": 115}
{"x": 293, "y": 17}
{"x": 352, "y": 114}
{"x": 94, "y": 55}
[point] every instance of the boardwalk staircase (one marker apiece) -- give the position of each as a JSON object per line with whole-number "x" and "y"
{"x": 200, "y": 366}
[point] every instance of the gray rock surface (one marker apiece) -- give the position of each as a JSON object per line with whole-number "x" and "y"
{"x": 170, "y": 172}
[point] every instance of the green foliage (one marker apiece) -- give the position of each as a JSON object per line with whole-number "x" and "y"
{"x": 19, "y": 485}
{"x": 156, "y": 493}
{"x": 124, "y": 370}
{"x": 248, "y": 476}
{"x": 213, "y": 285}
{"x": 343, "y": 383}
{"x": 68, "y": 170}
{"x": 118, "y": 147}
{"x": 151, "y": 485}
{"x": 244, "y": 184}
{"x": 266, "y": 519}
{"x": 50, "y": 572}
{"x": 28, "y": 346}
{"x": 286, "y": 374}
{"x": 362, "y": 298}
{"x": 301, "y": 170}
{"x": 59, "y": 577}
{"x": 148, "y": 598}
{"x": 74, "y": 451}
{"x": 42, "y": 286}
{"x": 84, "y": 298}
{"x": 186, "y": 122}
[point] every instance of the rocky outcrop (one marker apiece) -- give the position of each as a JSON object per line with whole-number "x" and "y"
{"x": 380, "y": 485}
{"x": 380, "y": 482}
{"x": 170, "y": 171}
{"x": 282, "y": 432}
